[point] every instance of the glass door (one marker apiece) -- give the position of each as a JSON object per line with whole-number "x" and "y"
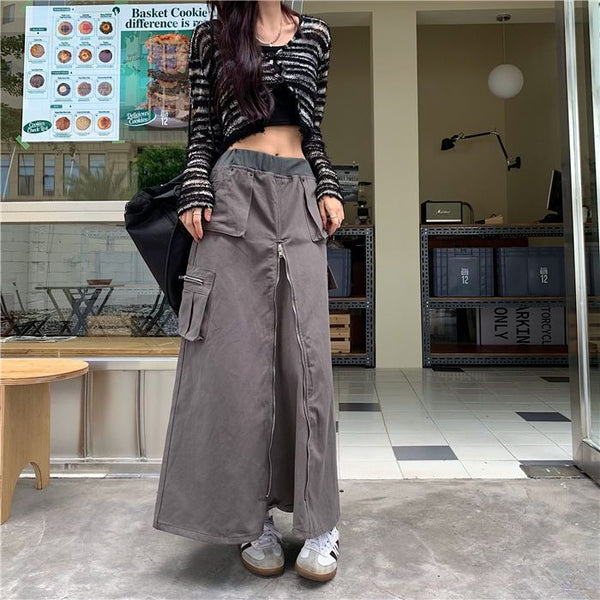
{"x": 579, "y": 67}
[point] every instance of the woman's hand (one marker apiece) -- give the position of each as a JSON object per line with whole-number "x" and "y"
{"x": 192, "y": 220}
{"x": 330, "y": 208}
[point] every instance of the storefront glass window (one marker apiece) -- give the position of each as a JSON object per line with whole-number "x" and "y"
{"x": 96, "y": 105}
{"x": 100, "y": 83}
{"x": 81, "y": 280}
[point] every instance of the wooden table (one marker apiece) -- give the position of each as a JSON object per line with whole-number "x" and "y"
{"x": 25, "y": 418}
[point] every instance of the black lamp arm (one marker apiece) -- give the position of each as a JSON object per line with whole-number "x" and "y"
{"x": 464, "y": 137}
{"x": 511, "y": 164}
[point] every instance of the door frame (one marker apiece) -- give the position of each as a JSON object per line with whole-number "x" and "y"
{"x": 586, "y": 452}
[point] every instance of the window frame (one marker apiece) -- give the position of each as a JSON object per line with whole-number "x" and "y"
{"x": 63, "y": 211}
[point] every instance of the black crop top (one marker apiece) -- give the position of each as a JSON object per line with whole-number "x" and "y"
{"x": 284, "y": 112}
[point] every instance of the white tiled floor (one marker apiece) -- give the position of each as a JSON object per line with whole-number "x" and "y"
{"x": 472, "y": 414}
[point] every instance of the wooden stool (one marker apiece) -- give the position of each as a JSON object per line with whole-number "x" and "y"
{"x": 25, "y": 418}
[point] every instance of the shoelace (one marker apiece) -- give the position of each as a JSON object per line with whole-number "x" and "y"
{"x": 324, "y": 543}
{"x": 269, "y": 536}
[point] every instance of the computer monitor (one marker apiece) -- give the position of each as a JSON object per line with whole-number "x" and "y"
{"x": 554, "y": 203}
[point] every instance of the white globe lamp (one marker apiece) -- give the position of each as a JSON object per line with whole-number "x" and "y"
{"x": 505, "y": 81}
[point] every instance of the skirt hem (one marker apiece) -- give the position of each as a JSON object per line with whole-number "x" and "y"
{"x": 204, "y": 537}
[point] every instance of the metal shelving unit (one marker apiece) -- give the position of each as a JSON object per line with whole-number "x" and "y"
{"x": 365, "y": 303}
{"x": 473, "y": 354}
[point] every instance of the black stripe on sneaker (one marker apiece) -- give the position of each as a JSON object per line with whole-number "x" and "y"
{"x": 334, "y": 554}
{"x": 246, "y": 545}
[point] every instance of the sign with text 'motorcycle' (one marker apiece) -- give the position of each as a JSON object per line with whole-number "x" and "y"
{"x": 92, "y": 71}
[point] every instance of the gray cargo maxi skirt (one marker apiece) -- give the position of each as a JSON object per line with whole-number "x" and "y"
{"x": 252, "y": 424}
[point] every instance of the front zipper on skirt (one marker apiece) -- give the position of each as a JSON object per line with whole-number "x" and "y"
{"x": 279, "y": 257}
{"x": 302, "y": 354}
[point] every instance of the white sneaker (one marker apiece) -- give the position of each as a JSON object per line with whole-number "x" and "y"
{"x": 318, "y": 558}
{"x": 264, "y": 556}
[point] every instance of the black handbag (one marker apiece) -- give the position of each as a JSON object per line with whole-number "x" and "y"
{"x": 163, "y": 241}
{"x": 161, "y": 238}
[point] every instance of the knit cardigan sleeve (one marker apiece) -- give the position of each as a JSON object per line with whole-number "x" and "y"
{"x": 196, "y": 188}
{"x": 313, "y": 145}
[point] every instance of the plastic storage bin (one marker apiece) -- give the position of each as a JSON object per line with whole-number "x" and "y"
{"x": 463, "y": 272}
{"x": 530, "y": 271}
{"x": 340, "y": 262}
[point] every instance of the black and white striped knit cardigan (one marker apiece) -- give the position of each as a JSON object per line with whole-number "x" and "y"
{"x": 303, "y": 63}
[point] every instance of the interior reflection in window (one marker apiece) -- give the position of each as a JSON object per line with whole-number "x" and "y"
{"x": 73, "y": 279}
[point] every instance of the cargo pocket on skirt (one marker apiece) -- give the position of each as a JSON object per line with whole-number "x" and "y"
{"x": 232, "y": 187}
{"x": 193, "y": 317}
{"x": 313, "y": 217}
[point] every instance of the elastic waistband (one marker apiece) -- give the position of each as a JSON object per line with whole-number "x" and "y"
{"x": 263, "y": 161}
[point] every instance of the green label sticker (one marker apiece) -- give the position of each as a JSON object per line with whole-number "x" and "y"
{"x": 37, "y": 126}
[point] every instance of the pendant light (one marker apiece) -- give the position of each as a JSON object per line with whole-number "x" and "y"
{"x": 505, "y": 80}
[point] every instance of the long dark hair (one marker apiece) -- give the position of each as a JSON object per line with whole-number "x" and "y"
{"x": 240, "y": 54}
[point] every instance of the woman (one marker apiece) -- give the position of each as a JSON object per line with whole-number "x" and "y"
{"x": 252, "y": 423}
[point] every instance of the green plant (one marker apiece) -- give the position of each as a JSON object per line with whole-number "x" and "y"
{"x": 159, "y": 164}
{"x": 107, "y": 185}
{"x": 10, "y": 83}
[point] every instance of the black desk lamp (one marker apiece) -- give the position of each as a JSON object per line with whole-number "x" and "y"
{"x": 449, "y": 143}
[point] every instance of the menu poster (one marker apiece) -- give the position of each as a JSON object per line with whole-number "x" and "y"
{"x": 90, "y": 68}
